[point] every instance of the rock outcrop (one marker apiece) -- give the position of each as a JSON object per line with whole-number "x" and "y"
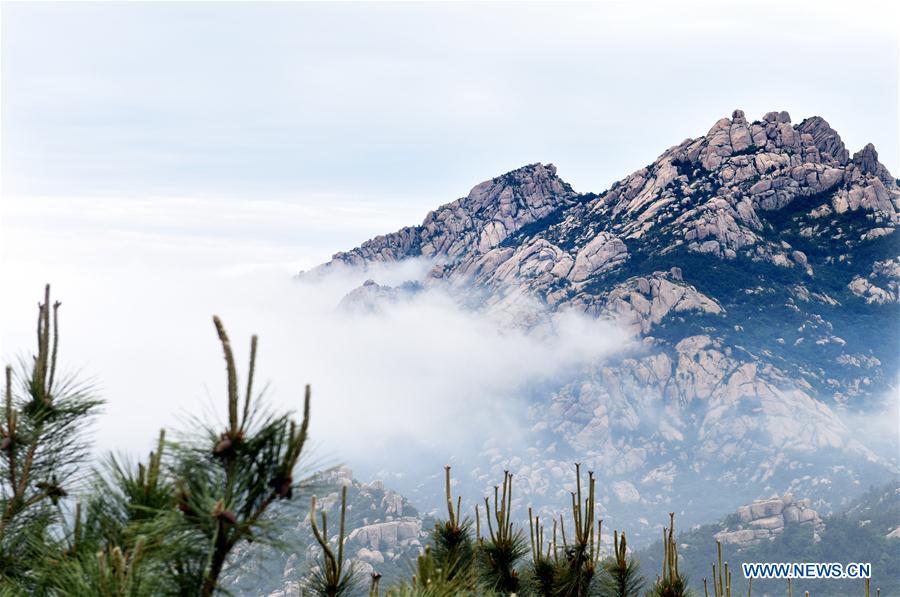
{"x": 881, "y": 286}
{"x": 766, "y": 519}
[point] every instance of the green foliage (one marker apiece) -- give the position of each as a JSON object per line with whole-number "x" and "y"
{"x": 540, "y": 577}
{"x": 620, "y": 575}
{"x": 164, "y": 527}
{"x": 225, "y": 481}
{"x": 330, "y": 578}
{"x": 42, "y": 445}
{"x": 674, "y": 587}
{"x": 501, "y": 550}
{"x": 110, "y": 572}
{"x": 560, "y": 565}
{"x": 453, "y": 549}
{"x": 567, "y": 569}
{"x": 431, "y": 580}
{"x": 170, "y": 525}
{"x": 672, "y": 583}
{"x": 580, "y": 559}
{"x": 856, "y": 534}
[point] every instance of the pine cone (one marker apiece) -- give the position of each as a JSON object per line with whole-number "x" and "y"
{"x": 222, "y": 447}
{"x": 283, "y": 486}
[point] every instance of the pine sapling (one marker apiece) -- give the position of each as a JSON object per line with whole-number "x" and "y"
{"x": 621, "y": 577}
{"x": 330, "y": 578}
{"x": 504, "y": 547}
{"x": 452, "y": 539}
{"x": 672, "y": 583}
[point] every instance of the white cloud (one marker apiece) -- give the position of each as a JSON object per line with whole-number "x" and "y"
{"x": 427, "y": 376}
{"x": 877, "y": 425}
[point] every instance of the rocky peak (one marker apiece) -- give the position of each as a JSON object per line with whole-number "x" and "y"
{"x": 825, "y": 139}
{"x": 493, "y": 210}
{"x": 866, "y": 159}
{"x": 777, "y": 117}
{"x": 708, "y": 193}
{"x": 479, "y": 221}
{"x": 533, "y": 186}
{"x": 372, "y": 297}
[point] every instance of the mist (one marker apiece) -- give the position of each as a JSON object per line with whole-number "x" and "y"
{"x": 415, "y": 384}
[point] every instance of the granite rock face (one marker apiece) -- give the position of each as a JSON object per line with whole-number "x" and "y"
{"x": 766, "y": 519}
{"x": 478, "y": 222}
{"x": 756, "y": 271}
{"x": 881, "y": 285}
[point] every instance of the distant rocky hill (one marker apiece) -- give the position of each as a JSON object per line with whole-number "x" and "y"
{"x": 757, "y": 270}
{"x": 866, "y": 530}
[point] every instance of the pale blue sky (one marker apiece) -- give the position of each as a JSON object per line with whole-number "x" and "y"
{"x": 155, "y": 154}
{"x": 402, "y": 103}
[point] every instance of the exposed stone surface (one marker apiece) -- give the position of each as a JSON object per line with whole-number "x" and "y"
{"x": 641, "y": 303}
{"x": 478, "y": 222}
{"x": 882, "y": 285}
{"x": 766, "y": 519}
{"x": 603, "y": 253}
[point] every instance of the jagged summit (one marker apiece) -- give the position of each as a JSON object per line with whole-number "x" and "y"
{"x": 867, "y": 161}
{"x": 479, "y": 221}
{"x": 706, "y": 192}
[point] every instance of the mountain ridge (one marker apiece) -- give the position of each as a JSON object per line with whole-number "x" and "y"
{"x": 813, "y": 140}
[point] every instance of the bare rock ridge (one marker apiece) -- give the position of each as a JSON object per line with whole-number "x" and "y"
{"x": 766, "y": 519}
{"x": 757, "y": 269}
{"x": 478, "y": 222}
{"x": 738, "y": 169}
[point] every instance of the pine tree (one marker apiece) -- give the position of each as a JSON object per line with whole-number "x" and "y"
{"x": 581, "y": 557}
{"x": 330, "y": 578}
{"x": 43, "y": 424}
{"x": 227, "y": 479}
{"x": 501, "y": 550}
{"x": 672, "y": 583}
{"x": 621, "y": 576}
{"x": 453, "y": 549}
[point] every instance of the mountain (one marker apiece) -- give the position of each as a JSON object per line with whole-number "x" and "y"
{"x": 756, "y": 270}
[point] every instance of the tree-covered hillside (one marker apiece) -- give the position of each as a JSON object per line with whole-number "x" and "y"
{"x": 855, "y": 534}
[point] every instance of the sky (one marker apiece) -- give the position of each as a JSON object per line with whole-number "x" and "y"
{"x": 164, "y": 161}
